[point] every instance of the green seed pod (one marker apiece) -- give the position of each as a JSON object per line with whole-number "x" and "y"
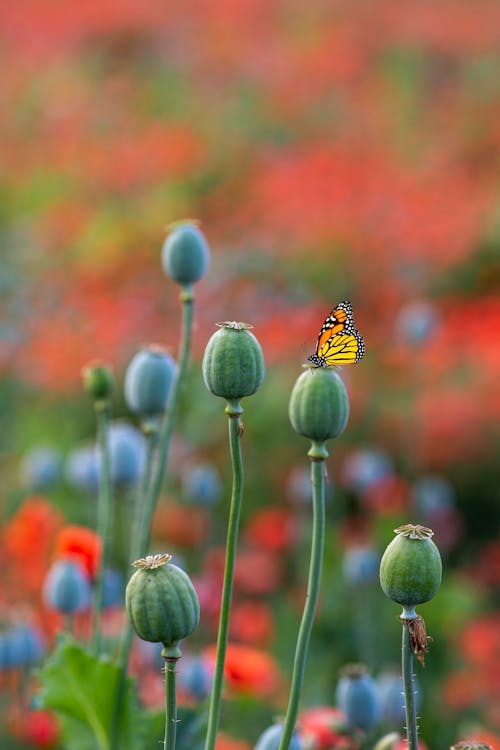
{"x": 233, "y": 363}
{"x": 161, "y": 601}
{"x": 319, "y": 406}
{"x": 185, "y": 253}
{"x": 98, "y": 381}
{"x": 410, "y": 569}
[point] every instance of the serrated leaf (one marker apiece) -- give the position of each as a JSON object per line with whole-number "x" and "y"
{"x": 81, "y": 690}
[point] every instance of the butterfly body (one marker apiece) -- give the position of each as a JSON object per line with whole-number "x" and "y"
{"x": 339, "y": 341}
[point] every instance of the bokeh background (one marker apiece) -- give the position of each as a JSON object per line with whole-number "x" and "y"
{"x": 330, "y": 151}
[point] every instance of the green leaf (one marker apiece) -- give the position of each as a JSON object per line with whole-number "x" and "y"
{"x": 81, "y": 690}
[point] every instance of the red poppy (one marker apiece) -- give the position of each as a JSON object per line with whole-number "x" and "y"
{"x": 272, "y": 528}
{"x": 27, "y": 539}
{"x": 252, "y": 623}
{"x": 480, "y": 640}
{"x": 324, "y": 728}
{"x": 248, "y": 670}
{"x": 39, "y": 729}
{"x": 225, "y": 742}
{"x": 186, "y": 526}
{"x": 82, "y": 544}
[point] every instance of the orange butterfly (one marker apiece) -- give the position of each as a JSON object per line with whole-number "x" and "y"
{"x": 339, "y": 342}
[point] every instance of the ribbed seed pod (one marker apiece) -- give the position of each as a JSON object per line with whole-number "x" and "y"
{"x": 161, "y": 601}
{"x": 185, "y": 253}
{"x": 319, "y": 406}
{"x": 233, "y": 363}
{"x": 410, "y": 569}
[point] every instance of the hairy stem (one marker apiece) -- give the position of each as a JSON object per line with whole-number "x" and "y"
{"x": 409, "y": 690}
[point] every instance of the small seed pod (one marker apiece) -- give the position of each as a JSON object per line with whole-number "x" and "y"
{"x": 148, "y": 381}
{"x": 185, "y": 253}
{"x": 161, "y": 601}
{"x": 270, "y": 739}
{"x": 233, "y": 363}
{"x": 66, "y": 588}
{"x": 357, "y": 697}
{"x": 98, "y": 381}
{"x": 391, "y": 741}
{"x": 319, "y": 406}
{"x": 410, "y": 569}
{"x": 471, "y": 745}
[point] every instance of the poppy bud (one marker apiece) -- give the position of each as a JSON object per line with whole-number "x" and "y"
{"x": 161, "y": 601}
{"x": 233, "y": 363}
{"x": 358, "y": 698}
{"x": 98, "y": 381}
{"x": 67, "y": 588}
{"x": 148, "y": 381}
{"x": 270, "y": 739}
{"x": 185, "y": 253}
{"x": 319, "y": 406}
{"x": 410, "y": 569}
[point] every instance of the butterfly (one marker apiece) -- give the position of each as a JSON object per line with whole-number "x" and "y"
{"x": 339, "y": 342}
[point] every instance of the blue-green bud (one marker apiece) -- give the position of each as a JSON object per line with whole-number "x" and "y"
{"x": 148, "y": 381}
{"x": 185, "y": 253}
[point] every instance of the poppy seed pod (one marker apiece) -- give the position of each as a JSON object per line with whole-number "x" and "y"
{"x": 148, "y": 381}
{"x": 270, "y": 739}
{"x": 185, "y": 253}
{"x": 410, "y": 569}
{"x": 161, "y": 601}
{"x": 67, "y": 588}
{"x": 233, "y": 363}
{"x": 319, "y": 406}
{"x": 358, "y": 698}
{"x": 98, "y": 381}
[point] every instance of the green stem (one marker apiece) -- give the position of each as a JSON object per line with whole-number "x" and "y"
{"x": 313, "y": 585}
{"x": 154, "y": 484}
{"x": 170, "y": 705}
{"x": 234, "y": 411}
{"x": 140, "y": 528}
{"x": 409, "y": 690}
{"x": 104, "y": 517}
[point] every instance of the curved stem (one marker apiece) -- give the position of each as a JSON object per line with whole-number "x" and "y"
{"x": 409, "y": 690}
{"x": 170, "y": 705}
{"x": 233, "y": 410}
{"x": 313, "y": 584}
{"x": 104, "y": 518}
{"x": 154, "y": 483}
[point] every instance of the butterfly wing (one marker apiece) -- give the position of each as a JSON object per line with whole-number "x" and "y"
{"x": 339, "y": 342}
{"x": 342, "y": 349}
{"x": 339, "y": 319}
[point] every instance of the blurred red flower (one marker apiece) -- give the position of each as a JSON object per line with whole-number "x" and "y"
{"x": 186, "y": 526}
{"x": 252, "y": 623}
{"x": 81, "y": 544}
{"x": 248, "y": 670}
{"x": 258, "y": 571}
{"x": 389, "y": 495}
{"x": 480, "y": 640}
{"x": 27, "y": 539}
{"x": 225, "y": 742}
{"x": 324, "y": 728}
{"x": 37, "y": 729}
{"x": 272, "y": 527}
